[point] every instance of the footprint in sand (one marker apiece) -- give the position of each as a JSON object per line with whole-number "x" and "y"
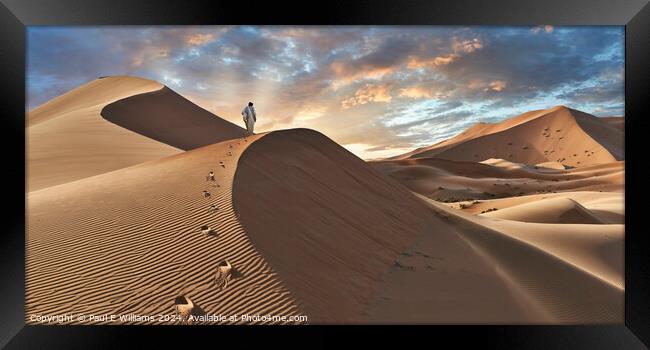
{"x": 213, "y": 208}
{"x": 222, "y": 165}
{"x": 206, "y": 194}
{"x": 208, "y": 231}
{"x": 183, "y": 307}
{"x": 223, "y": 274}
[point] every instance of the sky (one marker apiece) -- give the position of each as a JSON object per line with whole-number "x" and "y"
{"x": 377, "y": 90}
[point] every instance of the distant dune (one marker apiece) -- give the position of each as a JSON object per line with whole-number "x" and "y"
{"x": 551, "y": 211}
{"x": 453, "y": 181}
{"x": 558, "y": 134}
{"x": 68, "y": 139}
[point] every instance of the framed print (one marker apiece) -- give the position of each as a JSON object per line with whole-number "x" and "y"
{"x": 199, "y": 169}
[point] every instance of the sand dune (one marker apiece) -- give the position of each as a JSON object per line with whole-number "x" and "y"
{"x": 548, "y": 262}
{"x": 287, "y": 180}
{"x": 595, "y": 248}
{"x": 559, "y": 210}
{"x": 453, "y": 181}
{"x": 311, "y": 229}
{"x": 68, "y": 139}
{"x": 608, "y": 207}
{"x": 328, "y": 223}
{"x": 558, "y": 134}
{"x": 130, "y": 241}
{"x": 122, "y": 218}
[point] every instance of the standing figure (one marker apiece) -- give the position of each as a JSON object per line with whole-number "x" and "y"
{"x": 249, "y": 117}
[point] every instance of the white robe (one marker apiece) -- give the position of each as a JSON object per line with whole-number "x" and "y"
{"x": 249, "y": 118}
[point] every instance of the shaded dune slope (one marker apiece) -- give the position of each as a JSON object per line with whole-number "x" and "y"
{"x": 326, "y": 221}
{"x": 129, "y": 241}
{"x": 558, "y": 134}
{"x": 156, "y": 115}
{"x": 618, "y": 122}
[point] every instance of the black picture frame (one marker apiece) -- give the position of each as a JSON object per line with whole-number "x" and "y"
{"x": 15, "y": 15}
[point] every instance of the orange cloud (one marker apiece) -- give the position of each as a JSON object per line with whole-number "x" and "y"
{"x": 422, "y": 92}
{"x": 458, "y": 48}
{"x": 415, "y": 62}
{"x": 497, "y": 85}
{"x": 198, "y": 39}
{"x": 346, "y": 77}
{"x": 494, "y": 85}
{"x": 368, "y": 93}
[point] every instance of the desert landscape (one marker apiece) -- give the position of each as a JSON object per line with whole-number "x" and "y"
{"x": 515, "y": 222}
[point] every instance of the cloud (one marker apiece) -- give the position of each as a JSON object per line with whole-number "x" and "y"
{"x": 457, "y": 48}
{"x": 466, "y": 46}
{"x": 418, "y": 62}
{"x": 198, "y": 39}
{"x": 497, "y": 85}
{"x": 437, "y": 91}
{"x": 366, "y": 94}
{"x": 379, "y": 88}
